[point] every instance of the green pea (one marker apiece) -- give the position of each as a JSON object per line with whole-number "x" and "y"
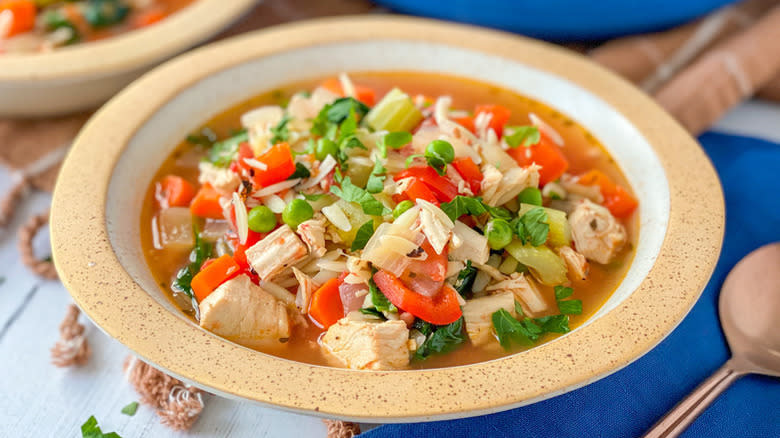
{"x": 530, "y": 195}
{"x": 261, "y": 219}
{"x": 401, "y": 208}
{"x": 297, "y": 212}
{"x": 499, "y": 233}
{"x": 440, "y": 150}
{"x": 325, "y": 147}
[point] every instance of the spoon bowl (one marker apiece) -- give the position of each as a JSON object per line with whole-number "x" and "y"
{"x": 749, "y": 303}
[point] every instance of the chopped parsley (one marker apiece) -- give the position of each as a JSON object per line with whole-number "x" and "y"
{"x": 375, "y": 182}
{"x": 352, "y": 193}
{"x": 363, "y": 235}
{"x": 438, "y": 339}
{"x": 223, "y": 152}
{"x": 463, "y": 205}
{"x": 281, "y": 132}
{"x": 532, "y": 227}
{"x": 90, "y": 429}
{"x": 522, "y": 136}
{"x": 130, "y": 409}
{"x": 567, "y": 307}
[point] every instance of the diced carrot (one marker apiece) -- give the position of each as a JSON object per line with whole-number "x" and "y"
{"x": 148, "y": 18}
{"x": 325, "y": 308}
{"x": 469, "y": 171}
{"x": 174, "y": 191}
{"x": 499, "y": 115}
{"x": 617, "y": 199}
{"x": 546, "y": 154}
{"x": 364, "y": 94}
{"x": 466, "y": 122}
{"x": 212, "y": 275}
{"x": 22, "y": 15}
{"x": 279, "y": 163}
{"x": 206, "y": 203}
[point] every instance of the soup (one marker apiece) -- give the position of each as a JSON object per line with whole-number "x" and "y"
{"x": 389, "y": 221}
{"x": 40, "y": 25}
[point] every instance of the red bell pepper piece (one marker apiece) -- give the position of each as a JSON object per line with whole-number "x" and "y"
{"x": 499, "y": 115}
{"x": 546, "y": 154}
{"x": 441, "y": 309}
{"x": 444, "y": 189}
{"x": 470, "y": 172}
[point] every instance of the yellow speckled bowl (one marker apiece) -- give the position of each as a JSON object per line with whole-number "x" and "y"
{"x": 83, "y": 76}
{"x": 97, "y": 249}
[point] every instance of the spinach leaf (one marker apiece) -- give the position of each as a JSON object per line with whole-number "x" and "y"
{"x": 90, "y": 429}
{"x": 440, "y": 339}
{"x": 364, "y": 233}
{"x": 223, "y": 152}
{"x": 509, "y": 330}
{"x": 198, "y": 255}
{"x": 465, "y": 280}
{"x": 380, "y": 301}
{"x": 554, "y": 323}
{"x": 373, "y": 312}
{"x": 567, "y": 307}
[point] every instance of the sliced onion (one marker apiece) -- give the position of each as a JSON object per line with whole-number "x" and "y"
{"x": 242, "y": 219}
{"x": 546, "y": 129}
{"x": 332, "y": 265}
{"x": 352, "y": 296}
{"x": 278, "y": 292}
{"x": 267, "y": 115}
{"x": 346, "y": 85}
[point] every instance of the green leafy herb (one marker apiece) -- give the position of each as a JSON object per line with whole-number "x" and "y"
{"x": 352, "y": 193}
{"x": 380, "y": 301}
{"x": 519, "y": 309}
{"x": 281, "y": 132}
{"x": 510, "y": 330}
{"x": 223, "y": 152}
{"x": 206, "y": 138}
{"x": 339, "y": 110}
{"x": 499, "y": 212}
{"x": 375, "y": 182}
{"x": 562, "y": 292}
{"x": 373, "y": 312}
{"x": 90, "y": 429}
{"x": 439, "y": 339}
{"x": 410, "y": 159}
{"x": 463, "y": 205}
{"x": 465, "y": 280}
{"x": 567, "y": 307}
{"x": 570, "y": 307}
{"x": 198, "y": 255}
{"x": 522, "y": 136}
{"x": 301, "y": 171}
{"x": 364, "y": 233}
{"x": 533, "y": 227}
{"x": 104, "y": 13}
{"x": 394, "y": 140}
{"x": 130, "y": 408}
{"x": 554, "y": 324}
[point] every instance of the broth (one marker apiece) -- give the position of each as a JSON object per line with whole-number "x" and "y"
{"x": 583, "y": 151}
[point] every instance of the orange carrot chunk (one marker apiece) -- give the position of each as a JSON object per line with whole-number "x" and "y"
{"x": 546, "y": 154}
{"x": 22, "y": 15}
{"x": 364, "y": 94}
{"x": 206, "y": 203}
{"x": 212, "y": 275}
{"x": 617, "y": 199}
{"x": 325, "y": 308}
{"x": 174, "y": 191}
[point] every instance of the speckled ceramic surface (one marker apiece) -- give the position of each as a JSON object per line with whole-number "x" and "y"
{"x": 95, "y": 216}
{"x": 83, "y": 76}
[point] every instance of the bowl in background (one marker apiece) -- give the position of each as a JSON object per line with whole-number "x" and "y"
{"x": 83, "y": 76}
{"x": 96, "y": 216}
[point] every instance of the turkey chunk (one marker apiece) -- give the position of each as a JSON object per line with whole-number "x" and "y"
{"x": 596, "y": 233}
{"x": 478, "y": 313}
{"x": 222, "y": 179}
{"x": 576, "y": 262}
{"x": 245, "y": 313}
{"x": 276, "y": 252}
{"x": 368, "y": 345}
{"x": 499, "y": 188}
{"x": 312, "y": 232}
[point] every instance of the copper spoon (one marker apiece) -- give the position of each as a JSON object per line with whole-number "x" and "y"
{"x": 749, "y": 306}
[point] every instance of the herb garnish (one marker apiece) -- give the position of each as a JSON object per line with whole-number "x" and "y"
{"x": 380, "y": 301}
{"x": 522, "y": 136}
{"x": 198, "y": 255}
{"x": 394, "y": 140}
{"x": 352, "y": 193}
{"x": 280, "y": 132}
{"x": 301, "y": 171}
{"x": 363, "y": 235}
{"x": 206, "y": 138}
{"x": 223, "y": 152}
{"x": 130, "y": 409}
{"x": 375, "y": 182}
{"x": 90, "y": 429}
{"x": 532, "y": 226}
{"x": 465, "y": 280}
{"x": 438, "y": 339}
{"x": 567, "y": 307}
{"x": 463, "y": 205}
{"x": 526, "y": 331}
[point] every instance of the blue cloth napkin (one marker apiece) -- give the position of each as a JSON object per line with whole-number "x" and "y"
{"x": 628, "y": 402}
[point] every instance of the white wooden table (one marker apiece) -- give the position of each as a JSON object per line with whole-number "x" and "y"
{"x": 40, "y": 400}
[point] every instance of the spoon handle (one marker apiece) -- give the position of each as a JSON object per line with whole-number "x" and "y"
{"x": 682, "y": 415}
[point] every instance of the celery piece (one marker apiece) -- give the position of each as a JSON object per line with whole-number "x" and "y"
{"x": 508, "y": 266}
{"x": 356, "y": 217}
{"x": 543, "y": 263}
{"x": 395, "y": 112}
{"x": 560, "y": 230}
